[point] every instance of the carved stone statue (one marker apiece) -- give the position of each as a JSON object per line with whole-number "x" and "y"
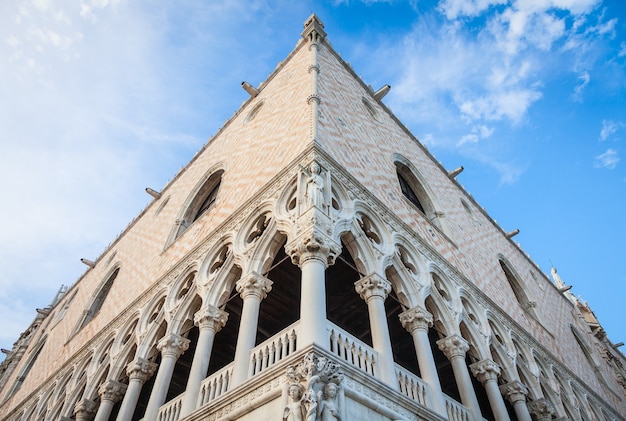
{"x": 328, "y": 409}
{"x": 315, "y": 187}
{"x": 294, "y": 411}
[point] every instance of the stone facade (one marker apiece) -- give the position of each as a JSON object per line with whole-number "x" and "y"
{"x": 391, "y": 295}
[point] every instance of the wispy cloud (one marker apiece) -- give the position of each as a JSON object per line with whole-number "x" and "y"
{"x": 458, "y": 77}
{"x": 578, "y": 89}
{"x": 609, "y": 127}
{"x": 608, "y": 159}
{"x": 95, "y": 105}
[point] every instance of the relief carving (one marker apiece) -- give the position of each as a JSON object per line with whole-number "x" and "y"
{"x": 314, "y": 391}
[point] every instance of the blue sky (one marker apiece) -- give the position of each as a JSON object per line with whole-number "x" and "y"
{"x": 100, "y": 99}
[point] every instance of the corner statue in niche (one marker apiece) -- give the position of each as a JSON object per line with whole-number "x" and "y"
{"x": 322, "y": 399}
{"x": 314, "y": 187}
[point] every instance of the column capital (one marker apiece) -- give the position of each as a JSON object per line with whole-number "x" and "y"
{"x": 514, "y": 391}
{"x": 255, "y": 285}
{"x": 312, "y": 237}
{"x": 313, "y": 245}
{"x": 140, "y": 369}
{"x": 453, "y": 346}
{"x": 173, "y": 345}
{"x": 416, "y": 318}
{"x": 85, "y": 409}
{"x": 210, "y": 317}
{"x": 542, "y": 409}
{"x": 373, "y": 286}
{"x": 112, "y": 390}
{"x": 485, "y": 370}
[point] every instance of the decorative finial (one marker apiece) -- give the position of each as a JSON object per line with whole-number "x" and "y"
{"x": 313, "y": 29}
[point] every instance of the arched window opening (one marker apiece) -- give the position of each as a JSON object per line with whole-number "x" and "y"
{"x": 471, "y": 357}
{"x": 178, "y": 384}
{"x": 408, "y": 192}
{"x": 344, "y": 307}
{"x": 203, "y": 200}
{"x": 444, "y": 367}
{"x": 415, "y": 190}
{"x": 224, "y": 353}
{"x": 519, "y": 290}
{"x": 98, "y": 300}
{"x": 402, "y": 343}
{"x": 208, "y": 201}
{"x": 29, "y": 365}
{"x": 281, "y": 307}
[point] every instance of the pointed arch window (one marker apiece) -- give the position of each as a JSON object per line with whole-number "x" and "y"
{"x": 202, "y": 201}
{"x": 519, "y": 290}
{"x": 408, "y": 192}
{"x": 29, "y": 365}
{"x": 415, "y": 190}
{"x": 98, "y": 299}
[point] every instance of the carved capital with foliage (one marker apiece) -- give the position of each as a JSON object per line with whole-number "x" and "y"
{"x": 417, "y": 318}
{"x": 210, "y": 317}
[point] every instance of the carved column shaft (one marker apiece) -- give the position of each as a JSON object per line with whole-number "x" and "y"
{"x": 138, "y": 371}
{"x": 210, "y": 320}
{"x": 110, "y": 392}
{"x": 487, "y": 372}
{"x": 417, "y": 321}
{"x": 253, "y": 288}
{"x": 374, "y": 290}
{"x": 313, "y": 250}
{"x": 516, "y": 393}
{"x": 171, "y": 346}
{"x": 455, "y": 348}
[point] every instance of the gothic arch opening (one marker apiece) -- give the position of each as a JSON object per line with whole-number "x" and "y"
{"x": 98, "y": 299}
{"x": 519, "y": 290}
{"x": 472, "y": 356}
{"x": 281, "y": 307}
{"x": 344, "y": 307}
{"x": 415, "y": 190}
{"x": 201, "y": 199}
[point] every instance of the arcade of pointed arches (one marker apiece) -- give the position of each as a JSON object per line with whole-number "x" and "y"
{"x": 218, "y": 283}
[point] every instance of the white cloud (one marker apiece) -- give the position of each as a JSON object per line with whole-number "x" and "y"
{"x": 584, "y": 79}
{"x": 478, "y": 132}
{"x": 457, "y": 8}
{"x": 609, "y": 127}
{"x": 608, "y": 159}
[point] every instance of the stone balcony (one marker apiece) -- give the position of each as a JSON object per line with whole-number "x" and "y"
{"x": 264, "y": 394}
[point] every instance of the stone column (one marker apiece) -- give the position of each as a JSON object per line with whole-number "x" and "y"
{"x": 516, "y": 392}
{"x": 312, "y": 255}
{"x": 374, "y": 290}
{"x": 171, "y": 346}
{"x": 417, "y": 321}
{"x": 138, "y": 371}
{"x": 210, "y": 320}
{"x": 85, "y": 410}
{"x": 455, "y": 348}
{"x": 252, "y": 288}
{"x": 110, "y": 392}
{"x": 487, "y": 372}
{"x": 542, "y": 409}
